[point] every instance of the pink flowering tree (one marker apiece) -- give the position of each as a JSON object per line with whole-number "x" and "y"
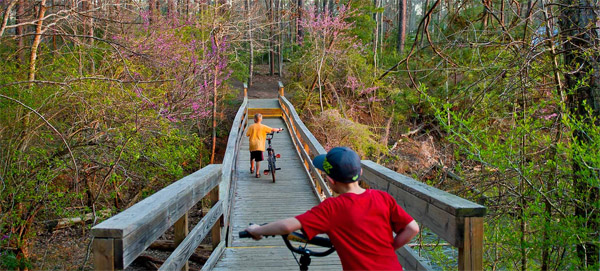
{"x": 333, "y": 62}
{"x": 326, "y": 43}
{"x": 191, "y": 67}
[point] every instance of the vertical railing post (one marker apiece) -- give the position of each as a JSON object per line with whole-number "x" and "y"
{"x": 104, "y": 253}
{"x": 470, "y": 255}
{"x": 182, "y": 229}
{"x": 245, "y": 90}
{"x": 216, "y": 230}
{"x": 280, "y": 88}
{"x": 308, "y": 163}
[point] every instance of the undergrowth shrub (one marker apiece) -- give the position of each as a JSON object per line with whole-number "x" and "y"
{"x": 339, "y": 131}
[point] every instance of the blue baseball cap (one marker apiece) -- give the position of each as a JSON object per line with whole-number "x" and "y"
{"x": 341, "y": 164}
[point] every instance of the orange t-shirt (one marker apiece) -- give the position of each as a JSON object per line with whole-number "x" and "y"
{"x": 258, "y": 134}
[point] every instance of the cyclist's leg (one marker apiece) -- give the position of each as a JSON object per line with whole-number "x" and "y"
{"x": 257, "y": 159}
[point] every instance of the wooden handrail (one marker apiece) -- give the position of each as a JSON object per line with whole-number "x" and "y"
{"x": 183, "y": 252}
{"x": 306, "y": 145}
{"x": 122, "y": 238}
{"x": 233, "y": 142}
{"x": 227, "y": 185}
{"x": 456, "y": 220}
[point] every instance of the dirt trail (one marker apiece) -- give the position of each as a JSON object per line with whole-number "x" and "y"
{"x": 263, "y": 85}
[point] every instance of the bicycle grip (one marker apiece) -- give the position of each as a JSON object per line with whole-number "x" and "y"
{"x": 245, "y": 234}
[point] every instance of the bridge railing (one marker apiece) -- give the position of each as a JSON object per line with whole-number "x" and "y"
{"x": 119, "y": 240}
{"x": 227, "y": 185}
{"x": 454, "y": 219}
{"x": 236, "y": 136}
{"x": 306, "y": 145}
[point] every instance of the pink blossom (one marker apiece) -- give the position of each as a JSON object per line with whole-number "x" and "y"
{"x": 547, "y": 117}
{"x": 352, "y": 83}
{"x": 165, "y": 52}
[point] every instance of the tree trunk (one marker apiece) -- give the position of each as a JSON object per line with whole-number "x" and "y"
{"x": 36, "y": 40}
{"x": 172, "y": 11}
{"x": 401, "y": 26}
{"x": 271, "y": 42}
{"x": 118, "y": 9}
{"x": 152, "y": 10}
{"x": 502, "y": 12}
{"x": 487, "y": 6}
{"x": 425, "y": 9}
{"x": 214, "y": 111}
{"x": 187, "y": 9}
{"x": 19, "y": 31}
{"x": 375, "y": 33}
{"x": 6, "y": 15}
{"x": 88, "y": 19}
{"x": 280, "y": 38}
{"x": 300, "y": 33}
{"x": 581, "y": 40}
{"x": 528, "y": 12}
{"x": 250, "y": 43}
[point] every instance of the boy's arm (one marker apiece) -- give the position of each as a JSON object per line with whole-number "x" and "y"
{"x": 406, "y": 234}
{"x": 284, "y": 226}
{"x": 276, "y": 129}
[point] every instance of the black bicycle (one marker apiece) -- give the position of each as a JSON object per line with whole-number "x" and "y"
{"x": 302, "y": 250}
{"x": 271, "y": 157}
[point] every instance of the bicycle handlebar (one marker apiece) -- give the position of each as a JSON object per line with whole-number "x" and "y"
{"x": 299, "y": 237}
{"x": 272, "y": 133}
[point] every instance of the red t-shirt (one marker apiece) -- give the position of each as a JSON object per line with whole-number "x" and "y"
{"x": 360, "y": 228}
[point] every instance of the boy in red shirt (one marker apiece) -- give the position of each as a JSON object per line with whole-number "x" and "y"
{"x": 258, "y": 134}
{"x": 360, "y": 222}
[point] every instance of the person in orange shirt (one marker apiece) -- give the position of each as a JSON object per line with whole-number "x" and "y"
{"x": 258, "y": 134}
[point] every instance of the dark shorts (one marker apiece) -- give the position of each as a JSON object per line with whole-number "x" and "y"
{"x": 256, "y": 156}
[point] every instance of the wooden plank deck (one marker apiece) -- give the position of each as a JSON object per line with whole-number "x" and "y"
{"x": 261, "y": 200}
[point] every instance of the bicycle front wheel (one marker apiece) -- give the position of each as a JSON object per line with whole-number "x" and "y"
{"x": 272, "y": 166}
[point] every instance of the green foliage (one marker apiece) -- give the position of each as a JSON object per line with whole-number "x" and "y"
{"x": 340, "y": 131}
{"x": 121, "y": 149}
{"x": 238, "y": 62}
{"x": 362, "y": 19}
{"x": 525, "y": 147}
{"x": 9, "y": 261}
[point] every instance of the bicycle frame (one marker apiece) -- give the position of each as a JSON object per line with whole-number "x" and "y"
{"x": 271, "y": 158}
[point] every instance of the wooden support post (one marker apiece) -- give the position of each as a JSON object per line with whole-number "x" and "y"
{"x": 104, "y": 254}
{"x": 470, "y": 255}
{"x": 245, "y": 90}
{"x": 280, "y": 89}
{"x": 216, "y": 230}
{"x": 307, "y": 163}
{"x": 182, "y": 229}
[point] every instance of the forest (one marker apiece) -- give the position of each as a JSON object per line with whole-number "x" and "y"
{"x": 104, "y": 102}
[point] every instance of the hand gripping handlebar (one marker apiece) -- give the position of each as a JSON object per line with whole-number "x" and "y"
{"x": 299, "y": 237}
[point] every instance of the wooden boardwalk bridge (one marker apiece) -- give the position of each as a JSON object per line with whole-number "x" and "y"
{"x": 239, "y": 198}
